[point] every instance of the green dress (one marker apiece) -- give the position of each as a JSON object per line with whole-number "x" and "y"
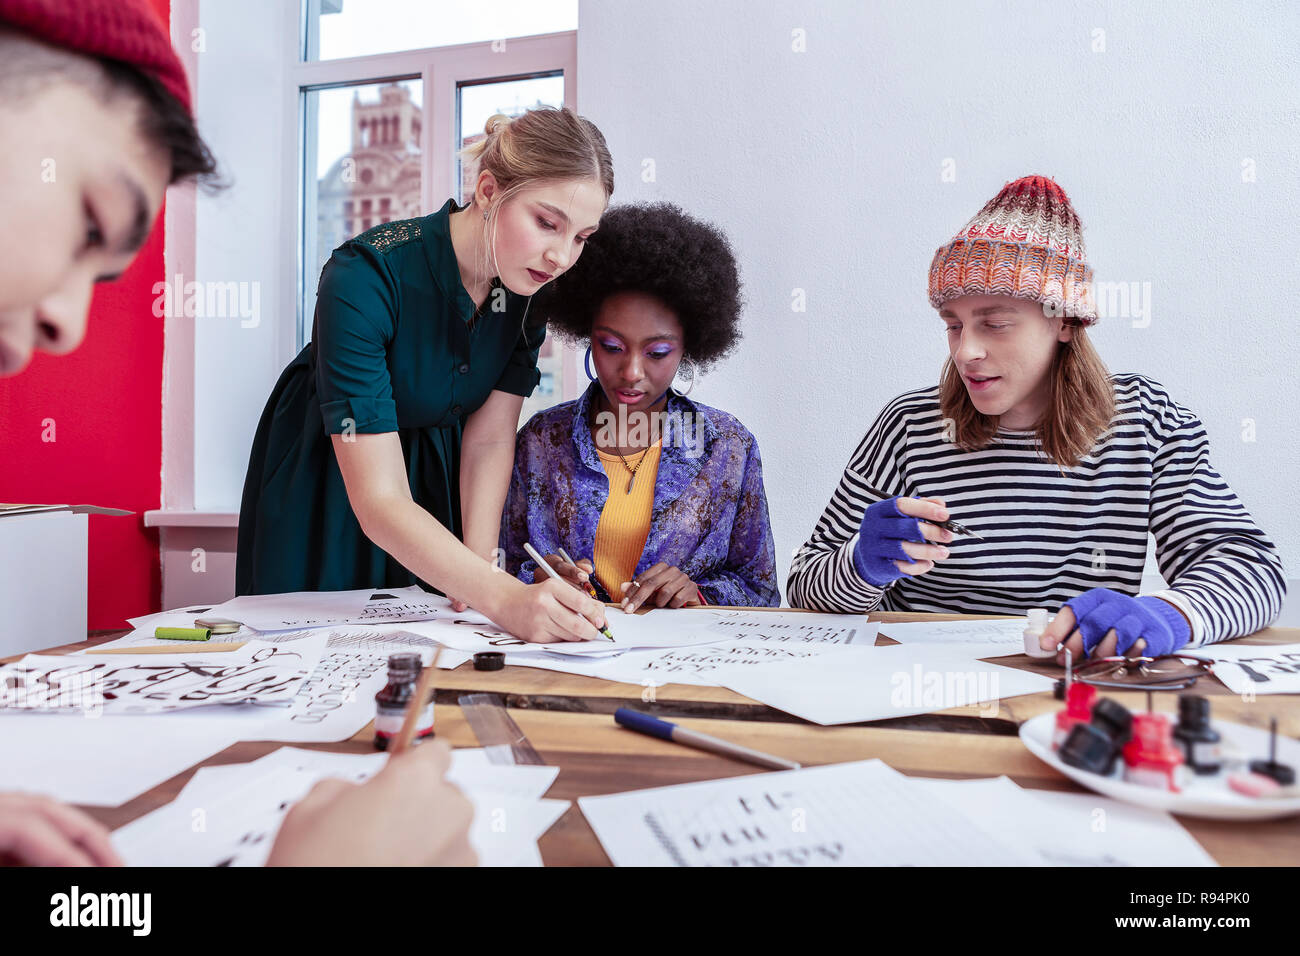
{"x": 396, "y": 347}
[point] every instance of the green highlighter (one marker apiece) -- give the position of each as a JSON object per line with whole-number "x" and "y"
{"x": 182, "y": 633}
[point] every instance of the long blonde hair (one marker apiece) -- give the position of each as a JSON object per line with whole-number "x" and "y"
{"x": 1079, "y": 410}
{"x": 546, "y": 144}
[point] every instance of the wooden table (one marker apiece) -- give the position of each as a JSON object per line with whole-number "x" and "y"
{"x": 567, "y": 718}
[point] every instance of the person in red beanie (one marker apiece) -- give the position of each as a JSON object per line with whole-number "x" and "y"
{"x": 103, "y": 73}
{"x": 71, "y": 75}
{"x": 1062, "y": 469}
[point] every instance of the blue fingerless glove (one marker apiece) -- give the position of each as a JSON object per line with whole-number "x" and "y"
{"x": 1158, "y": 622}
{"x": 880, "y": 542}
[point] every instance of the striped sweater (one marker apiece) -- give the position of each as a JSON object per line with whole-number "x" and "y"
{"x": 1049, "y": 536}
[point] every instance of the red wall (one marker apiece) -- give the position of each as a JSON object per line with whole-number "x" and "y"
{"x": 106, "y": 402}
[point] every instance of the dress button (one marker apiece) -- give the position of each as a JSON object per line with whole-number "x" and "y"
{"x": 456, "y": 409}
{"x": 464, "y": 368}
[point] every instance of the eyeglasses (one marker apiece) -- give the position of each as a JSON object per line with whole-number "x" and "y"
{"x": 1168, "y": 672}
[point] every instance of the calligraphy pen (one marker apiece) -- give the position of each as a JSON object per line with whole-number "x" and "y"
{"x": 545, "y": 566}
{"x": 591, "y": 591}
{"x": 955, "y": 527}
{"x": 666, "y": 730}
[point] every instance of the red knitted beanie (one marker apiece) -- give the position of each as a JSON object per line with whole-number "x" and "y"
{"x": 125, "y": 30}
{"x": 1026, "y": 242}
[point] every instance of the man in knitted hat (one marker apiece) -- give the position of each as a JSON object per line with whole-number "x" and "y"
{"x": 1061, "y": 469}
{"x": 95, "y": 123}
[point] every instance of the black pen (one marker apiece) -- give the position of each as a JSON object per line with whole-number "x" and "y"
{"x": 956, "y": 527}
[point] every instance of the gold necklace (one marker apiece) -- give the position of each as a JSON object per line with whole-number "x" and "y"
{"x": 631, "y": 471}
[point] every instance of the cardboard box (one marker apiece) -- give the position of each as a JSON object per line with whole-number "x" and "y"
{"x": 43, "y": 571}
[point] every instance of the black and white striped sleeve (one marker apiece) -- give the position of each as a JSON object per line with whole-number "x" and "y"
{"x": 1222, "y": 571}
{"x": 822, "y": 575}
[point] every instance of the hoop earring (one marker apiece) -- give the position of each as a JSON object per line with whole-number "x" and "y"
{"x": 586, "y": 364}
{"x": 690, "y": 380}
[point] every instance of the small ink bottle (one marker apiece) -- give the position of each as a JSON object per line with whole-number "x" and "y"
{"x": 391, "y": 702}
{"x": 1150, "y": 757}
{"x": 1194, "y": 735}
{"x": 1079, "y": 698}
{"x": 1037, "y": 623}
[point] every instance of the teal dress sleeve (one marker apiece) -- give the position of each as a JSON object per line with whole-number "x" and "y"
{"x": 521, "y": 375}
{"x": 355, "y": 324}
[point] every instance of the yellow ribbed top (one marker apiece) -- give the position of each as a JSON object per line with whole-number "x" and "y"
{"x": 625, "y": 520}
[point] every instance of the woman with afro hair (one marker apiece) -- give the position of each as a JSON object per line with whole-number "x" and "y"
{"x": 657, "y": 497}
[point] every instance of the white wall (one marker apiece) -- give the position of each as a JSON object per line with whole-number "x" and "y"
{"x": 825, "y": 166}
{"x": 240, "y": 236}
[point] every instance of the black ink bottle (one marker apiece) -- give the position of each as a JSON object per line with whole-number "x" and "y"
{"x": 1195, "y": 737}
{"x": 391, "y": 702}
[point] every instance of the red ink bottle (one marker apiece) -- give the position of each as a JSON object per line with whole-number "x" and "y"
{"x": 391, "y": 703}
{"x": 1150, "y": 758}
{"x": 1079, "y": 698}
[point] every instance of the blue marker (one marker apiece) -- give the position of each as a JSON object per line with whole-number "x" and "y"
{"x": 654, "y": 727}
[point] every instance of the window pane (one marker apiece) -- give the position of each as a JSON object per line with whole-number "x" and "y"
{"x": 479, "y": 101}
{"x": 475, "y": 103}
{"x": 343, "y": 28}
{"x": 363, "y": 155}
{"x": 548, "y": 390}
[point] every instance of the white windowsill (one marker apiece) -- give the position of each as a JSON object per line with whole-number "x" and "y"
{"x": 191, "y": 519}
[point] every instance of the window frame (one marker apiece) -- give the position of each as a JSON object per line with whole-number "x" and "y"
{"x": 441, "y": 70}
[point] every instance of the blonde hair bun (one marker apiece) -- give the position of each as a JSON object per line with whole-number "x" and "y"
{"x": 496, "y": 123}
{"x": 546, "y": 144}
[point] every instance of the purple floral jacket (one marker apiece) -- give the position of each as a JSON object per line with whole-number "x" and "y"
{"x": 710, "y": 512}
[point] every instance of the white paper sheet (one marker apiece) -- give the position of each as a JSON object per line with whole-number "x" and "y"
{"x": 335, "y": 702}
{"x": 469, "y": 636}
{"x": 294, "y": 610}
{"x": 710, "y": 665}
{"x": 450, "y": 660}
{"x": 229, "y": 815}
{"x": 979, "y": 638}
{"x": 853, "y": 814}
{"x": 852, "y": 684}
{"x": 104, "y": 762}
{"x": 117, "y": 684}
{"x": 506, "y": 829}
{"x": 585, "y": 666}
{"x": 795, "y": 627}
{"x": 661, "y": 627}
{"x": 1072, "y": 829}
{"x": 1261, "y": 669}
{"x": 395, "y": 605}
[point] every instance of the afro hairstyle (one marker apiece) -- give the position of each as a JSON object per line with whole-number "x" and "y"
{"x": 658, "y": 250}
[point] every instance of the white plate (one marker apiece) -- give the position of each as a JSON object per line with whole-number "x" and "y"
{"x": 1202, "y": 796}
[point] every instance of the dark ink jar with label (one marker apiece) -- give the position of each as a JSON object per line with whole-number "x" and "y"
{"x": 392, "y": 702}
{"x": 1199, "y": 742}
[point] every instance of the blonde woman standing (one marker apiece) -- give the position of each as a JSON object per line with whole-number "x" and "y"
{"x": 385, "y": 450}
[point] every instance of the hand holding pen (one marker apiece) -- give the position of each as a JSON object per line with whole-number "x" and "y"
{"x": 926, "y": 515}
{"x": 902, "y": 536}
{"x": 552, "y": 572}
{"x": 577, "y": 573}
